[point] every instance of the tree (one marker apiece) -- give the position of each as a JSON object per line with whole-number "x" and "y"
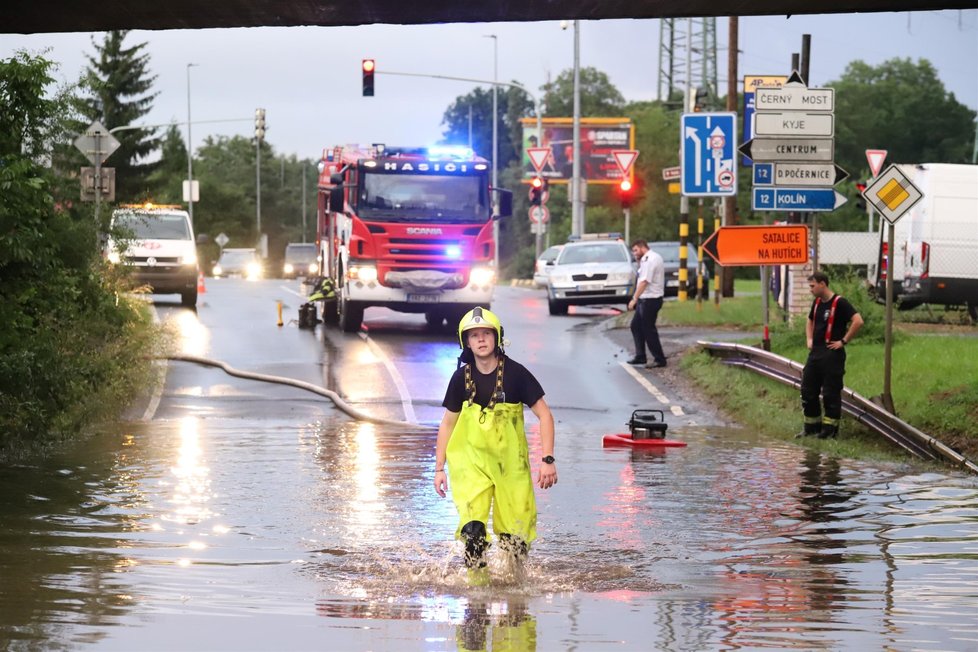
{"x": 599, "y": 97}
{"x": 512, "y": 104}
{"x": 117, "y": 83}
{"x": 166, "y": 179}
{"x": 903, "y": 107}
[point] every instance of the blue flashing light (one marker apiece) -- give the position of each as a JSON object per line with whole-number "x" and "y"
{"x": 451, "y": 151}
{"x": 453, "y": 251}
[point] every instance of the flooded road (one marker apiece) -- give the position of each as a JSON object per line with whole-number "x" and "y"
{"x": 244, "y": 516}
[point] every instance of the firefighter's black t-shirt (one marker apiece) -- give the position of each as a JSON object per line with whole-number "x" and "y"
{"x": 844, "y": 312}
{"x": 519, "y": 386}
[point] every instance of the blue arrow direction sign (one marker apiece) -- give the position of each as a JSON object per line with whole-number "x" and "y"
{"x": 708, "y": 154}
{"x": 796, "y": 199}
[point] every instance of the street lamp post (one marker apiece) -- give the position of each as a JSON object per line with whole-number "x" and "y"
{"x": 495, "y": 141}
{"x": 190, "y": 152}
{"x": 577, "y": 206}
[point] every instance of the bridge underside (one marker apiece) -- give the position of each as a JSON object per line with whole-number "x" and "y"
{"x": 37, "y": 16}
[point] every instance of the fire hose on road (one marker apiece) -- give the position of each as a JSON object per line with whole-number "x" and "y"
{"x": 309, "y": 387}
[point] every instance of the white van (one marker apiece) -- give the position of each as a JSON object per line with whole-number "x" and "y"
{"x": 941, "y": 254}
{"x": 158, "y": 244}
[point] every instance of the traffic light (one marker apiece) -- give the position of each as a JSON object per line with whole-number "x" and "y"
{"x": 260, "y": 124}
{"x": 537, "y": 187}
{"x": 625, "y": 193}
{"x": 368, "y": 77}
{"x": 860, "y": 199}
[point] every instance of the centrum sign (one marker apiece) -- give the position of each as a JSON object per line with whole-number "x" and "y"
{"x": 759, "y": 245}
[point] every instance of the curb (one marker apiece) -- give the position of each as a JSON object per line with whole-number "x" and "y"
{"x": 521, "y": 282}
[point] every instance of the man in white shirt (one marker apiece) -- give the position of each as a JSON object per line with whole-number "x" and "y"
{"x": 647, "y": 301}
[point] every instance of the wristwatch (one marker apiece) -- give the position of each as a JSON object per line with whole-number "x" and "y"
{"x": 549, "y": 459}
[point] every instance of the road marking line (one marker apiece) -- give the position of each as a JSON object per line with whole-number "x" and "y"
{"x": 402, "y": 389}
{"x": 291, "y": 291}
{"x": 651, "y": 389}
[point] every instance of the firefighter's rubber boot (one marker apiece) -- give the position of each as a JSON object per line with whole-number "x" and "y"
{"x": 514, "y": 547}
{"x": 474, "y": 536}
{"x": 812, "y": 428}
{"x": 829, "y": 431}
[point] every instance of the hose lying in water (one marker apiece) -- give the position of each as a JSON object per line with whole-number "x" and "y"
{"x": 309, "y": 387}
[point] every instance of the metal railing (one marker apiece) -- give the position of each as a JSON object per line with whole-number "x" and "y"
{"x": 863, "y": 410}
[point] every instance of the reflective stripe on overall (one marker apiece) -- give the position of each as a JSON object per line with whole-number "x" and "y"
{"x": 488, "y": 466}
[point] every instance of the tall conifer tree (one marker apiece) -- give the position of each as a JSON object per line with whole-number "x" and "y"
{"x": 117, "y": 83}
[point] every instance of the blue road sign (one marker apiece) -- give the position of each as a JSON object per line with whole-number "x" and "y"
{"x": 764, "y": 174}
{"x": 796, "y": 199}
{"x": 709, "y": 150}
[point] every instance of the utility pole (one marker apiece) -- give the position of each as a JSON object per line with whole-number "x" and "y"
{"x": 577, "y": 206}
{"x": 190, "y": 153}
{"x": 689, "y": 104}
{"x": 723, "y": 279}
{"x": 259, "y": 137}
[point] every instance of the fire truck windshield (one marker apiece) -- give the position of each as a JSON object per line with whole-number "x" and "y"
{"x": 422, "y": 197}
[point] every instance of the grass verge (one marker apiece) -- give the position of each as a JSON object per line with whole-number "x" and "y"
{"x": 934, "y": 378}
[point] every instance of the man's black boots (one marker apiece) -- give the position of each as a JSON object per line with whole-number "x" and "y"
{"x": 811, "y": 429}
{"x": 474, "y": 535}
{"x": 829, "y": 431}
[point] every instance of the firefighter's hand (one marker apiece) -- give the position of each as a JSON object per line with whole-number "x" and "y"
{"x": 547, "y": 477}
{"x": 441, "y": 483}
{"x": 809, "y": 345}
{"x": 835, "y": 345}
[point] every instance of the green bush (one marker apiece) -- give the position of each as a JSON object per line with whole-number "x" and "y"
{"x": 72, "y": 348}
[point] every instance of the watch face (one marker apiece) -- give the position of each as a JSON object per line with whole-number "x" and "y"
{"x": 549, "y": 459}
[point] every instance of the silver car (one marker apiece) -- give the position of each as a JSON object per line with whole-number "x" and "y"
{"x": 545, "y": 264}
{"x": 589, "y": 272}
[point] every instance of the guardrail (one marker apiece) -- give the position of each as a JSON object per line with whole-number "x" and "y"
{"x": 863, "y": 410}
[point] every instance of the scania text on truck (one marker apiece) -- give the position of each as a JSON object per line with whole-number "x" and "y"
{"x": 406, "y": 229}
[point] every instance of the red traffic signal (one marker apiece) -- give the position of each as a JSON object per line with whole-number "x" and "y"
{"x": 625, "y": 192}
{"x": 368, "y": 77}
{"x": 537, "y": 188}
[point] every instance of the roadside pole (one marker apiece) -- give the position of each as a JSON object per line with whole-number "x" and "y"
{"x": 892, "y": 194}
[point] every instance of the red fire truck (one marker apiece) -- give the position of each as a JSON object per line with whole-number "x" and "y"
{"x": 407, "y": 229}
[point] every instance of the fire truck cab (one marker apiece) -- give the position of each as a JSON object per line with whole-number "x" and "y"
{"x": 407, "y": 229}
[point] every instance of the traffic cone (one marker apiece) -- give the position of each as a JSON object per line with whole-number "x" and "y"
{"x": 200, "y": 283}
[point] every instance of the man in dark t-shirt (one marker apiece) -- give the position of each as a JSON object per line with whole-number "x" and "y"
{"x": 832, "y": 323}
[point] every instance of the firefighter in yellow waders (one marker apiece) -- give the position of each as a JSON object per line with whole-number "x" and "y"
{"x": 483, "y": 442}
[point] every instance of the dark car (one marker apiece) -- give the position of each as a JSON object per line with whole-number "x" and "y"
{"x": 669, "y": 251}
{"x": 300, "y": 260}
{"x": 239, "y": 262}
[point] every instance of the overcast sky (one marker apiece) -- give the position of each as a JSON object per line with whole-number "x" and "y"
{"x": 308, "y": 78}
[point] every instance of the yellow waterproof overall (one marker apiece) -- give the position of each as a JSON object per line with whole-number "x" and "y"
{"x": 488, "y": 461}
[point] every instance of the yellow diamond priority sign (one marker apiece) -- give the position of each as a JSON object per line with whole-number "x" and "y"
{"x": 892, "y": 194}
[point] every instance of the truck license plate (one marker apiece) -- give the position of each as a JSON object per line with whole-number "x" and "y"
{"x": 423, "y": 298}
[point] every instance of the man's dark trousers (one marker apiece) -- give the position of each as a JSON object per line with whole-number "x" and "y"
{"x": 644, "y": 330}
{"x": 823, "y": 373}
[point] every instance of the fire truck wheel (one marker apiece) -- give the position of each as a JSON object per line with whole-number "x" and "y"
{"x": 434, "y": 318}
{"x": 351, "y": 316}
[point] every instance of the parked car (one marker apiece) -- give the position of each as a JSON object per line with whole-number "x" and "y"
{"x": 591, "y": 271}
{"x": 300, "y": 260}
{"x": 544, "y": 264}
{"x": 669, "y": 251}
{"x": 239, "y": 262}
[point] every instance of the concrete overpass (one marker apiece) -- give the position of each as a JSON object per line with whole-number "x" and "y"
{"x": 35, "y": 16}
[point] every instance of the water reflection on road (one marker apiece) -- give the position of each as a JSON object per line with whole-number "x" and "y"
{"x": 211, "y": 534}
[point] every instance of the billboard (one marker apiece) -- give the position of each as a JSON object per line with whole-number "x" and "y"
{"x": 599, "y": 138}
